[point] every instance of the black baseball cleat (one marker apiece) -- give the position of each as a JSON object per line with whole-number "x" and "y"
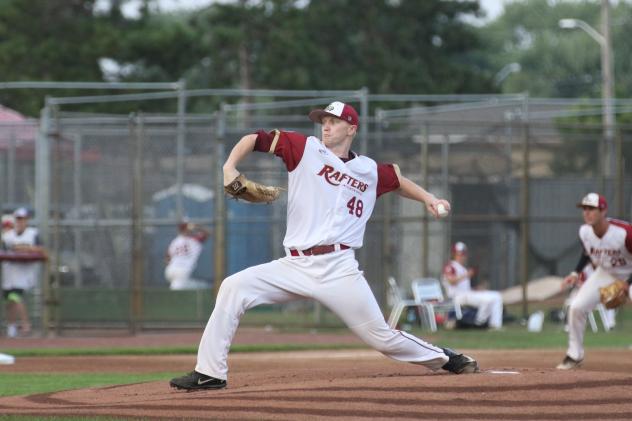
{"x": 197, "y": 381}
{"x": 569, "y": 363}
{"x": 459, "y": 363}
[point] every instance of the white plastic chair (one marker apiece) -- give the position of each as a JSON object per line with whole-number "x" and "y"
{"x": 603, "y": 315}
{"x": 605, "y": 320}
{"x": 399, "y": 303}
{"x": 429, "y": 294}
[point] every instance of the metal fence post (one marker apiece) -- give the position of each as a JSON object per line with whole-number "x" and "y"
{"x": 180, "y": 146}
{"x": 136, "y": 282}
{"x": 78, "y": 232}
{"x": 364, "y": 120}
{"x": 42, "y": 205}
{"x": 56, "y": 181}
{"x": 220, "y": 205}
{"x": 524, "y": 219}
{"x": 425, "y": 162}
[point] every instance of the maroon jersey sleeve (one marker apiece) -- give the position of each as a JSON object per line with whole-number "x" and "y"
{"x": 200, "y": 236}
{"x": 387, "y": 178}
{"x": 289, "y": 146}
{"x": 628, "y": 232}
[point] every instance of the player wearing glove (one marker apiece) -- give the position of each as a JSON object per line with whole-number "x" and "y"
{"x": 331, "y": 195}
{"x": 607, "y": 245}
{"x": 242, "y": 188}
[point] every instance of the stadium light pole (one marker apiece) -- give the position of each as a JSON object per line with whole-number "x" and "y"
{"x": 607, "y": 75}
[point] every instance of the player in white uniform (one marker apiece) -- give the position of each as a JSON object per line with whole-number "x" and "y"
{"x": 22, "y": 273}
{"x": 458, "y": 285}
{"x": 607, "y": 245}
{"x": 182, "y": 256}
{"x": 331, "y": 194}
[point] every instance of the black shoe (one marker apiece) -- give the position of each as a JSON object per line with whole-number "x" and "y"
{"x": 459, "y": 363}
{"x": 197, "y": 381}
{"x": 568, "y": 363}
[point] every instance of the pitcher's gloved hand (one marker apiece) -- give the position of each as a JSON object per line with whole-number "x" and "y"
{"x": 250, "y": 191}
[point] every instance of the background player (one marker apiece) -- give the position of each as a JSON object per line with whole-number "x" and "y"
{"x": 458, "y": 284}
{"x": 607, "y": 245}
{"x": 20, "y": 275}
{"x": 182, "y": 256}
{"x": 331, "y": 195}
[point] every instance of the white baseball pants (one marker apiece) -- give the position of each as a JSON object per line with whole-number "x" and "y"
{"x": 332, "y": 279}
{"x": 489, "y": 305}
{"x": 583, "y": 303}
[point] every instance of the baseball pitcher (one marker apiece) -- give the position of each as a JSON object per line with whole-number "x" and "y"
{"x": 331, "y": 195}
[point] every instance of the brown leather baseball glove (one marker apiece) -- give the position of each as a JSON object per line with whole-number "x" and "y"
{"x": 250, "y": 191}
{"x": 615, "y": 294}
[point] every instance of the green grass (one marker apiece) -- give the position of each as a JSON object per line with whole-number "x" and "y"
{"x": 517, "y": 337}
{"x": 181, "y": 350}
{"x": 20, "y": 384}
{"x": 59, "y": 418}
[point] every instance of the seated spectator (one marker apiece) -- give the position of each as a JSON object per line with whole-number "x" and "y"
{"x": 458, "y": 284}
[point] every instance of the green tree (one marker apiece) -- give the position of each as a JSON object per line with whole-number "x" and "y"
{"x": 556, "y": 62}
{"x": 386, "y": 45}
{"x": 52, "y": 40}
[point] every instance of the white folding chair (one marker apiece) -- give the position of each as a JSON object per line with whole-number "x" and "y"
{"x": 399, "y": 303}
{"x": 429, "y": 294}
{"x": 603, "y": 315}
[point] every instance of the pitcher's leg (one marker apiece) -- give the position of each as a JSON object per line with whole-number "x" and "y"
{"x": 352, "y": 300}
{"x": 264, "y": 284}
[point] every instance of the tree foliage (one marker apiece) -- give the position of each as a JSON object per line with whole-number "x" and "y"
{"x": 557, "y": 62}
{"x": 51, "y": 40}
{"x": 386, "y": 45}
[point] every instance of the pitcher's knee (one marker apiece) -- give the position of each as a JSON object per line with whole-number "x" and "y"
{"x": 233, "y": 291}
{"x": 380, "y": 339}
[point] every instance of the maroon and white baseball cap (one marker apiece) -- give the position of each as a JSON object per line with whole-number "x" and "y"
{"x": 336, "y": 109}
{"x": 459, "y": 247}
{"x": 593, "y": 200}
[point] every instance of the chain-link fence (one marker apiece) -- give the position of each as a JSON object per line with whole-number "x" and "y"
{"x": 114, "y": 188}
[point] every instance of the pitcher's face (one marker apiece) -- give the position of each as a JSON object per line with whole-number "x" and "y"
{"x": 336, "y": 131}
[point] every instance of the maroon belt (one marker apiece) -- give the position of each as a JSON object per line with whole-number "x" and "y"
{"x": 316, "y": 250}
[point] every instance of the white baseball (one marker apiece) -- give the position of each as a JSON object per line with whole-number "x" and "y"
{"x": 441, "y": 210}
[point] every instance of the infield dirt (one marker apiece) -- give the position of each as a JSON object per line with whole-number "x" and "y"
{"x": 346, "y": 385}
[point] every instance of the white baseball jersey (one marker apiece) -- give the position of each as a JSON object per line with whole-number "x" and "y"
{"x": 454, "y": 268}
{"x": 329, "y": 200}
{"x": 20, "y": 275}
{"x": 613, "y": 251}
{"x": 184, "y": 252}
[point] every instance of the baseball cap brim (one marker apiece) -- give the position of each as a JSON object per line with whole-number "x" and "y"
{"x": 317, "y": 116}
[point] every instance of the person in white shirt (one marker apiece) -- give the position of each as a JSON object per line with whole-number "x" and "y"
{"x": 182, "y": 256}
{"x": 458, "y": 284}
{"x": 20, "y": 270}
{"x": 607, "y": 246}
{"x": 331, "y": 195}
